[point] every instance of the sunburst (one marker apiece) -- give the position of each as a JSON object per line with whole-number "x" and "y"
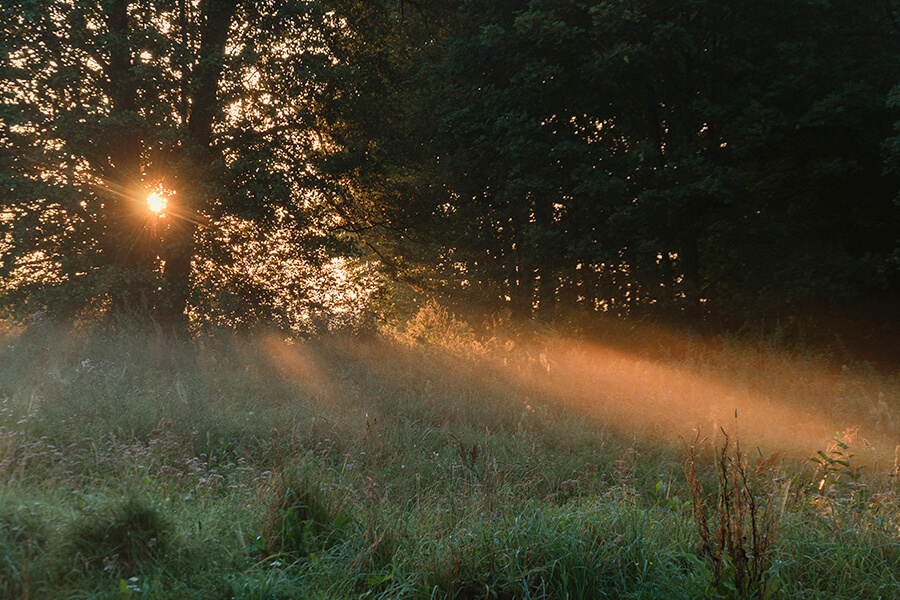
{"x": 156, "y": 203}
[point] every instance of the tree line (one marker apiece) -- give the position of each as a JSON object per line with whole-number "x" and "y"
{"x": 689, "y": 160}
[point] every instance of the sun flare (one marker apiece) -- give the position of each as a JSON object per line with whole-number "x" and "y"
{"x": 156, "y": 202}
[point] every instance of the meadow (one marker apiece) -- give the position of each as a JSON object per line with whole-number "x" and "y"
{"x": 428, "y": 462}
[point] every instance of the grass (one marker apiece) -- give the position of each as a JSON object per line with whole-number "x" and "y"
{"x": 427, "y": 463}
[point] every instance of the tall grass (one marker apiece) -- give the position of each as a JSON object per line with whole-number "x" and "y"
{"x": 522, "y": 465}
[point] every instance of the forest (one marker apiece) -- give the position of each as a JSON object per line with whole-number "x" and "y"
{"x": 714, "y": 165}
{"x": 511, "y": 299}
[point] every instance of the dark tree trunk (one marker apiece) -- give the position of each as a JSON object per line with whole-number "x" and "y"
{"x": 198, "y": 182}
{"x": 521, "y": 293}
{"x": 691, "y": 272}
{"x": 545, "y": 263}
{"x": 215, "y": 18}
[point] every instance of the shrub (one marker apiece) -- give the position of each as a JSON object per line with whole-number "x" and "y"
{"x": 435, "y": 326}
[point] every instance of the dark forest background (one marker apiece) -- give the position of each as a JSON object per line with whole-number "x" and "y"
{"x": 712, "y": 164}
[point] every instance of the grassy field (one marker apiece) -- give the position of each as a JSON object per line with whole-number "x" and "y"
{"x": 429, "y": 464}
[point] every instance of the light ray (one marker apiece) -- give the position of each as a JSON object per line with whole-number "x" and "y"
{"x": 769, "y": 400}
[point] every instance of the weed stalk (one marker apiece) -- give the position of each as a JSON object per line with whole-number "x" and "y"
{"x": 735, "y": 528}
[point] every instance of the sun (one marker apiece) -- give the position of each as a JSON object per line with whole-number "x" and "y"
{"x": 156, "y": 202}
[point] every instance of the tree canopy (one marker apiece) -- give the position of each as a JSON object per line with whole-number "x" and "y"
{"x": 693, "y": 160}
{"x": 217, "y": 104}
{"x": 670, "y": 157}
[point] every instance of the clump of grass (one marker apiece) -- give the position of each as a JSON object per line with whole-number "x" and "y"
{"x": 121, "y": 536}
{"x": 736, "y": 534}
{"x": 22, "y": 541}
{"x": 302, "y": 517}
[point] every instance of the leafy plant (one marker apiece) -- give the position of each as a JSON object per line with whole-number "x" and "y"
{"x": 435, "y": 326}
{"x": 837, "y": 477}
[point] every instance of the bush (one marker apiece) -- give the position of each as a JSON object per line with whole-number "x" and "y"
{"x": 435, "y": 326}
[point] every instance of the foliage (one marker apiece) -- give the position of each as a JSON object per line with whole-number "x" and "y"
{"x": 837, "y": 470}
{"x": 677, "y": 158}
{"x": 434, "y": 326}
{"x": 22, "y": 538}
{"x": 304, "y": 518}
{"x": 214, "y": 104}
{"x": 687, "y": 160}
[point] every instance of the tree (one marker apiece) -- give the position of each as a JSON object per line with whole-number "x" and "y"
{"x": 546, "y": 156}
{"x": 672, "y": 158}
{"x": 214, "y": 103}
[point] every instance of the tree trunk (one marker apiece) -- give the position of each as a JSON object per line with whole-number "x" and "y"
{"x": 544, "y": 264}
{"x": 691, "y": 272}
{"x": 198, "y": 181}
